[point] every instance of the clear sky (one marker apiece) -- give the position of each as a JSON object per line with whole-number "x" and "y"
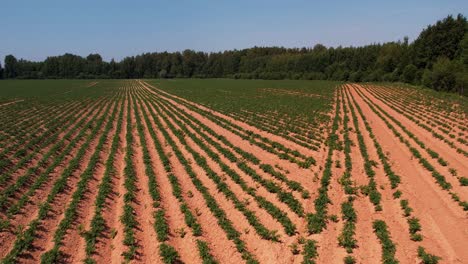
{"x": 36, "y": 29}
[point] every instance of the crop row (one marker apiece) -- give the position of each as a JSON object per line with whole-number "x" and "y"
{"x": 346, "y": 239}
{"x": 284, "y": 122}
{"x": 223, "y": 187}
{"x": 220, "y": 214}
{"x": 371, "y": 189}
{"x": 271, "y": 186}
{"x": 53, "y": 255}
{"x": 393, "y": 178}
{"x": 410, "y": 115}
{"x": 42, "y": 163}
{"x": 425, "y": 118}
{"x": 440, "y": 179}
{"x": 437, "y": 103}
{"x": 285, "y": 113}
{"x": 414, "y": 227}
{"x": 32, "y": 123}
{"x": 35, "y": 142}
{"x": 299, "y": 136}
{"x": 189, "y": 218}
{"x": 13, "y": 131}
{"x": 463, "y": 180}
{"x": 98, "y": 224}
{"x": 17, "y": 130}
{"x": 161, "y": 225}
{"x": 43, "y": 177}
{"x": 429, "y": 129}
{"x": 345, "y": 180}
{"x": 263, "y": 203}
{"x": 271, "y": 146}
{"x": 25, "y": 239}
{"x": 128, "y": 217}
{"x": 429, "y": 121}
{"x": 317, "y": 221}
{"x": 388, "y": 246}
{"x": 191, "y": 121}
{"x": 427, "y": 106}
{"x": 263, "y": 142}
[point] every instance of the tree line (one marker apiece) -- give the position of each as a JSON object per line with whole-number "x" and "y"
{"x": 438, "y": 59}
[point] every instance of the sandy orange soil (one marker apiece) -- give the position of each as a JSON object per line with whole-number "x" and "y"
{"x": 189, "y": 138}
{"x": 12, "y": 102}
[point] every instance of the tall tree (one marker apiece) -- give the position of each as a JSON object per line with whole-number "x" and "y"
{"x": 439, "y": 40}
{"x": 11, "y": 66}
{"x": 462, "y": 77}
{"x": 444, "y": 74}
{"x": 94, "y": 65}
{"x": 113, "y": 70}
{"x": 51, "y": 67}
{"x": 128, "y": 67}
{"x": 71, "y": 66}
{"x": 464, "y": 49}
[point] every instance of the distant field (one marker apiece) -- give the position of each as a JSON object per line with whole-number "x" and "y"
{"x": 41, "y": 89}
{"x": 231, "y": 171}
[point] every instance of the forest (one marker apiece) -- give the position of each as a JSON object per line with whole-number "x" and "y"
{"x": 437, "y": 58}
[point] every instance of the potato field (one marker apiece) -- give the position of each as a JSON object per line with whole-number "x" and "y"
{"x": 231, "y": 171}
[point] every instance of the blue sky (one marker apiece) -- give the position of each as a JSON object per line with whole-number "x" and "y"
{"x": 115, "y": 29}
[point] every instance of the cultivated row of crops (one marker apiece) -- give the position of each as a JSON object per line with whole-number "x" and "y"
{"x": 274, "y": 172}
